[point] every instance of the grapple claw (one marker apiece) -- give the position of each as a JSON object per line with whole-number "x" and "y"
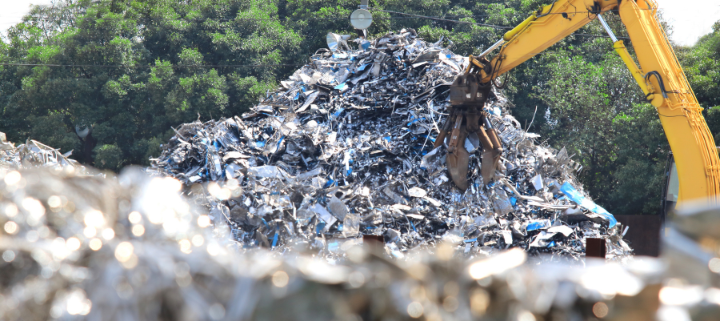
{"x": 457, "y": 158}
{"x": 467, "y": 97}
{"x": 457, "y": 162}
{"x": 490, "y": 160}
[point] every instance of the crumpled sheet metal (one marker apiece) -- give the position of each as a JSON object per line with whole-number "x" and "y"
{"x": 33, "y": 154}
{"x": 692, "y": 242}
{"x": 691, "y": 251}
{"x": 72, "y": 248}
{"x": 345, "y": 148}
{"x": 87, "y": 247}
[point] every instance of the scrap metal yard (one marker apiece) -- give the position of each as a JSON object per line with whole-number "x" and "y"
{"x": 209, "y": 160}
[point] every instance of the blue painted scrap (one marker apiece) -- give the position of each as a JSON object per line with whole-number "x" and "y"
{"x": 341, "y": 86}
{"x": 581, "y": 200}
{"x": 536, "y": 225}
{"x": 333, "y": 245}
{"x": 415, "y": 120}
{"x": 320, "y": 226}
{"x": 329, "y": 183}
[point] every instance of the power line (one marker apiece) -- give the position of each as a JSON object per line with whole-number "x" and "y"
{"x": 490, "y": 25}
{"x": 149, "y": 66}
{"x": 443, "y": 19}
{"x": 408, "y": 16}
{"x": 321, "y": 18}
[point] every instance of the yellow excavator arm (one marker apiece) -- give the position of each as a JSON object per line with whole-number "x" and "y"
{"x": 659, "y": 75}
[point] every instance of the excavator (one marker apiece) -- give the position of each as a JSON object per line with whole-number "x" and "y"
{"x": 696, "y": 170}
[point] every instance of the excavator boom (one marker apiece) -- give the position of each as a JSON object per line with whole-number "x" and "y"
{"x": 659, "y": 75}
{"x": 543, "y": 29}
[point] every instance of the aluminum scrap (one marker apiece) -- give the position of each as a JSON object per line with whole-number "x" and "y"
{"x": 132, "y": 247}
{"x": 33, "y": 154}
{"x": 77, "y": 247}
{"x": 345, "y": 148}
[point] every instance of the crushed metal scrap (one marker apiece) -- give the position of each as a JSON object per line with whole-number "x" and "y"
{"x": 132, "y": 248}
{"x": 345, "y": 148}
{"x": 33, "y": 154}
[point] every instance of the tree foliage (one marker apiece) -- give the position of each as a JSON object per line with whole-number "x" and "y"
{"x": 702, "y": 67}
{"x": 163, "y": 48}
{"x": 141, "y": 67}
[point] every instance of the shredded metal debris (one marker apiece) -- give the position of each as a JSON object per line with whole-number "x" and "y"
{"x": 132, "y": 248}
{"x": 33, "y": 154}
{"x": 345, "y": 148}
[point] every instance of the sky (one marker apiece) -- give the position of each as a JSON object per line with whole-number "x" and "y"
{"x": 12, "y": 11}
{"x": 690, "y": 19}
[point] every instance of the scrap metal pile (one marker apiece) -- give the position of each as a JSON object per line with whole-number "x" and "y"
{"x": 131, "y": 248}
{"x": 345, "y": 148}
{"x": 76, "y": 247}
{"x": 33, "y": 154}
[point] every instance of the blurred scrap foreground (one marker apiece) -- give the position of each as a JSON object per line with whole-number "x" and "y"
{"x": 264, "y": 218}
{"x": 131, "y": 248}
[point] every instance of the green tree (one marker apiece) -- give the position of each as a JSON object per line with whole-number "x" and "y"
{"x": 139, "y": 67}
{"x": 701, "y": 63}
{"x": 594, "y": 114}
{"x": 642, "y": 150}
{"x": 702, "y": 67}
